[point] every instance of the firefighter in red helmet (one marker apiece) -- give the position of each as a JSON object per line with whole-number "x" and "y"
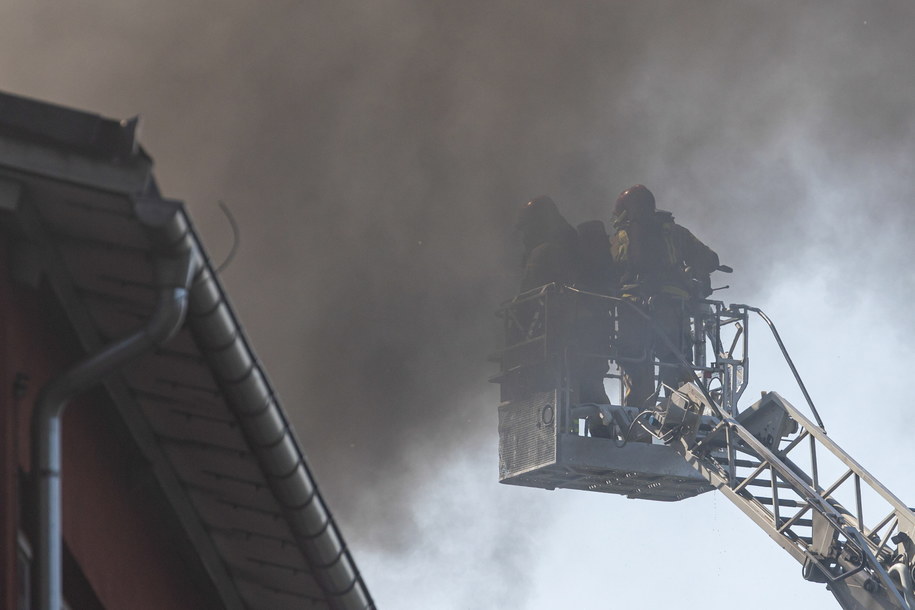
{"x": 658, "y": 260}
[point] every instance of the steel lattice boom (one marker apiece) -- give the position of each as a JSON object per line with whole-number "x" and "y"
{"x": 778, "y": 466}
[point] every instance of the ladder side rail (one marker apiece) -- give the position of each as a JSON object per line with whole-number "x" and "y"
{"x": 877, "y": 546}
{"x": 768, "y": 521}
{"x": 788, "y": 360}
{"x": 886, "y": 581}
{"x": 721, "y": 480}
{"x": 856, "y": 521}
{"x": 835, "y": 518}
{"x": 792, "y": 477}
{"x": 797, "y": 481}
{"x": 906, "y": 516}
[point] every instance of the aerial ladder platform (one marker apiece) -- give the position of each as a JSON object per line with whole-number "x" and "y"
{"x": 776, "y": 464}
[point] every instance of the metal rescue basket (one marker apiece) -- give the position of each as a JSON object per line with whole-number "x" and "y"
{"x": 543, "y": 435}
{"x": 771, "y": 460}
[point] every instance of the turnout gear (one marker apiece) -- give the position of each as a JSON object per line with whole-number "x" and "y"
{"x": 659, "y": 262}
{"x": 553, "y": 253}
{"x": 597, "y": 274}
{"x": 656, "y": 256}
{"x": 597, "y": 271}
{"x": 550, "y": 245}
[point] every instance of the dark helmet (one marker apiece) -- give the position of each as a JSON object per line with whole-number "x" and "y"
{"x": 537, "y": 220}
{"x": 540, "y": 211}
{"x": 636, "y": 200}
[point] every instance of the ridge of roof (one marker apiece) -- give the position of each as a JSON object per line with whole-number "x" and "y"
{"x": 67, "y": 128}
{"x": 230, "y": 453}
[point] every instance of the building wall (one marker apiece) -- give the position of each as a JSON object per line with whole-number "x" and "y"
{"x": 115, "y": 526}
{"x": 8, "y": 456}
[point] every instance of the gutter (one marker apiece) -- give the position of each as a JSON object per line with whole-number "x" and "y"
{"x": 268, "y": 433}
{"x": 176, "y": 264}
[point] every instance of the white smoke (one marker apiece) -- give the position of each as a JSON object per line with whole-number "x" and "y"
{"x": 374, "y": 155}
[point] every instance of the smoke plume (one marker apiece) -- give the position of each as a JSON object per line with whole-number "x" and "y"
{"x": 374, "y": 155}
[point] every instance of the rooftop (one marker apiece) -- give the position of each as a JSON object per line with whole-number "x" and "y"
{"x": 79, "y": 201}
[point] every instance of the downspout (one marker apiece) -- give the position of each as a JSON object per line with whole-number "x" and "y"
{"x": 175, "y": 266}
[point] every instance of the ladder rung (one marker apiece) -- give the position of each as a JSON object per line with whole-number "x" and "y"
{"x": 801, "y": 522}
{"x": 793, "y": 536}
{"x": 738, "y": 463}
{"x": 763, "y": 483}
{"x": 781, "y": 502}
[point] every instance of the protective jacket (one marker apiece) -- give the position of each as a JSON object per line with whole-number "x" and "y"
{"x": 658, "y": 256}
{"x": 551, "y": 254}
{"x": 597, "y": 271}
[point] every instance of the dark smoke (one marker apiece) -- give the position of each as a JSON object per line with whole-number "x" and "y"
{"x": 374, "y": 155}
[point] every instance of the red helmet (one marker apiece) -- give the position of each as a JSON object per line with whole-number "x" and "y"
{"x": 637, "y": 200}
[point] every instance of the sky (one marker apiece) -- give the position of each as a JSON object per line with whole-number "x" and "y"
{"x": 374, "y": 155}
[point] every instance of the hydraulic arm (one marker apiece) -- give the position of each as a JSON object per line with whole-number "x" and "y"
{"x": 844, "y": 527}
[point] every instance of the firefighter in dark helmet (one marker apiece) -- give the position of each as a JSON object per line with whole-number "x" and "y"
{"x": 550, "y": 245}
{"x": 554, "y": 252}
{"x": 550, "y": 258}
{"x": 660, "y": 263}
{"x": 597, "y": 275}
